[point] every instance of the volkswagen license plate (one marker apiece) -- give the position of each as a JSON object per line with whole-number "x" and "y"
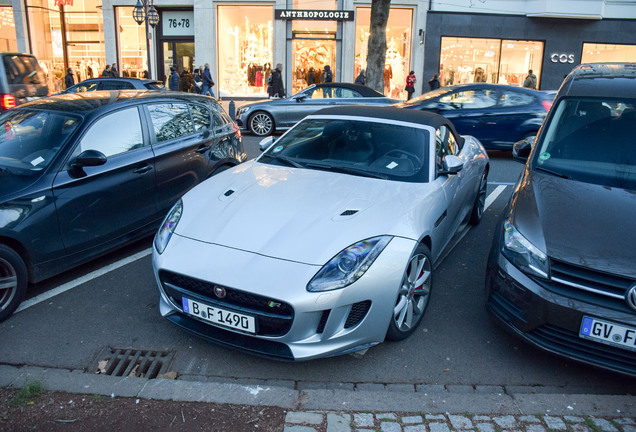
{"x": 219, "y": 316}
{"x": 608, "y": 332}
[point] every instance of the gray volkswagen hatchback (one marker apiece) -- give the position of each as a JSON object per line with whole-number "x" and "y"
{"x": 562, "y": 268}
{"x": 82, "y": 174}
{"x": 21, "y": 80}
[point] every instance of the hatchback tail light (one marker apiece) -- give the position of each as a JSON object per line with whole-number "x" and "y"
{"x": 546, "y": 104}
{"x": 7, "y": 101}
{"x": 237, "y": 130}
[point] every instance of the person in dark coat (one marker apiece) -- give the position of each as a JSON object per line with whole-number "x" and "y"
{"x": 208, "y": 83}
{"x": 327, "y": 77}
{"x": 434, "y": 83}
{"x": 113, "y": 70}
{"x": 197, "y": 77}
{"x": 186, "y": 82}
{"x": 311, "y": 77}
{"x": 69, "y": 78}
{"x": 361, "y": 79}
{"x": 277, "y": 89}
{"x": 106, "y": 72}
{"x": 173, "y": 81}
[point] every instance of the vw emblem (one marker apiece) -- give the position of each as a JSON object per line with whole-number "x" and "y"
{"x": 630, "y": 297}
{"x": 219, "y": 291}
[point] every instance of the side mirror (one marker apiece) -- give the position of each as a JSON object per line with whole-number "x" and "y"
{"x": 452, "y": 165}
{"x": 265, "y": 143}
{"x": 521, "y": 149}
{"x": 301, "y": 97}
{"x": 90, "y": 158}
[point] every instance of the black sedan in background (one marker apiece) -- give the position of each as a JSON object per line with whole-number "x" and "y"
{"x": 115, "y": 83}
{"x": 498, "y": 115}
{"x": 85, "y": 173}
{"x": 264, "y": 117}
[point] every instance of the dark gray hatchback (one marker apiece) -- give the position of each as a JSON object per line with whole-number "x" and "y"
{"x": 562, "y": 269}
{"x": 82, "y": 174}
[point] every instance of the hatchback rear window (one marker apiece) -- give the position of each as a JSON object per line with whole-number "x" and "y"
{"x": 23, "y": 69}
{"x": 156, "y": 85}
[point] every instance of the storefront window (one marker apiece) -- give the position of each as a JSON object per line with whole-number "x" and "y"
{"x": 597, "y": 53}
{"x": 8, "y": 41}
{"x": 470, "y": 60}
{"x": 398, "y": 48}
{"x": 84, "y": 38}
{"x": 245, "y": 49}
{"x": 132, "y": 44}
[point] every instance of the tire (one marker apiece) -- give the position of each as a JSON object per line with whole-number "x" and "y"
{"x": 13, "y": 281}
{"x": 480, "y": 201}
{"x": 261, "y": 124}
{"x": 413, "y": 296}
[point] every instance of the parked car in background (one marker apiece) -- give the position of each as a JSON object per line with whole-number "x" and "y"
{"x": 264, "y": 117}
{"x": 115, "y": 83}
{"x": 355, "y": 205}
{"x": 21, "y": 80}
{"x": 84, "y": 173}
{"x": 497, "y": 115}
{"x": 562, "y": 268}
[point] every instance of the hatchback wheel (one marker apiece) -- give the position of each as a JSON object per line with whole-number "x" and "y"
{"x": 13, "y": 281}
{"x": 414, "y": 295}
{"x": 261, "y": 124}
{"x": 480, "y": 201}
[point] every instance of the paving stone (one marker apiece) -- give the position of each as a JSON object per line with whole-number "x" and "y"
{"x": 412, "y": 419}
{"x": 554, "y": 423}
{"x": 529, "y": 419}
{"x": 438, "y": 427}
{"x": 310, "y": 385}
{"x": 363, "y": 420}
{"x": 579, "y": 427}
{"x": 281, "y": 383}
{"x": 482, "y": 418}
{"x": 535, "y": 428}
{"x": 417, "y": 428}
{"x": 341, "y": 386}
{"x": 573, "y": 419}
{"x": 489, "y": 389}
{"x": 403, "y": 388}
{"x": 435, "y": 417}
{"x": 625, "y": 421}
{"x": 460, "y": 422}
{"x": 370, "y": 387}
{"x": 603, "y": 424}
{"x": 460, "y": 389}
{"x": 390, "y": 427}
{"x": 338, "y": 422}
{"x": 427, "y": 389}
{"x": 386, "y": 416}
{"x": 506, "y": 422}
{"x": 629, "y": 428}
{"x": 299, "y": 429}
{"x": 511, "y": 430}
{"x": 485, "y": 427}
{"x": 296, "y": 417}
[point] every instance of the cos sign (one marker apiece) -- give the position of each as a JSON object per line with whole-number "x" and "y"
{"x": 562, "y": 58}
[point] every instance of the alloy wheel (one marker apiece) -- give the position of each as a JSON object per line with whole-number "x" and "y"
{"x": 8, "y": 284}
{"x": 261, "y": 124}
{"x": 414, "y": 293}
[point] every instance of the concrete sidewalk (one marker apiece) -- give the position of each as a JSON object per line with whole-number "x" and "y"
{"x": 316, "y": 406}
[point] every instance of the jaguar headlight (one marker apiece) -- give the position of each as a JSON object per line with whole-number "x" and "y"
{"x": 167, "y": 227}
{"x": 349, "y": 265}
{"x": 523, "y": 254}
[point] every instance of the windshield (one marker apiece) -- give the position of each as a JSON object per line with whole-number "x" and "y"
{"x": 591, "y": 140}
{"x": 30, "y": 139}
{"x": 371, "y": 148}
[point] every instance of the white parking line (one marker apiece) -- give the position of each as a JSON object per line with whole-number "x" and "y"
{"x": 72, "y": 284}
{"x": 493, "y": 196}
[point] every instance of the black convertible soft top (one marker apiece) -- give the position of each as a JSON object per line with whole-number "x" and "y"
{"x": 392, "y": 113}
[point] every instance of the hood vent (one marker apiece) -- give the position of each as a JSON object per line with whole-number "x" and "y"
{"x": 348, "y": 212}
{"x": 228, "y": 192}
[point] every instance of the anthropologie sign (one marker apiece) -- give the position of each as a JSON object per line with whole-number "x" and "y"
{"x": 316, "y": 15}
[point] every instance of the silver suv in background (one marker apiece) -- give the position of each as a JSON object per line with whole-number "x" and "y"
{"x": 21, "y": 80}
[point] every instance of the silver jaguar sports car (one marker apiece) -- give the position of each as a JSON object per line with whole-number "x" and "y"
{"x": 326, "y": 243}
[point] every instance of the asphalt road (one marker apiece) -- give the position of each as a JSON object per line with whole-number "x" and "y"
{"x": 456, "y": 344}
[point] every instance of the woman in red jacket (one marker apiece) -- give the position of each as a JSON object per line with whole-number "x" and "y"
{"x": 410, "y": 84}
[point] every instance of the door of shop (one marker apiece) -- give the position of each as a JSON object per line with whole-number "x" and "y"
{"x": 177, "y": 53}
{"x": 311, "y": 53}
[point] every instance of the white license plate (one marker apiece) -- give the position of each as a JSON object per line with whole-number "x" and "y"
{"x": 608, "y": 332}
{"x": 219, "y": 316}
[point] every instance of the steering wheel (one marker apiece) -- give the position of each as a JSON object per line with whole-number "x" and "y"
{"x": 400, "y": 154}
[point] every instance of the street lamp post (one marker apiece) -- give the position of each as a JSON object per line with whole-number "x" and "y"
{"x": 145, "y": 12}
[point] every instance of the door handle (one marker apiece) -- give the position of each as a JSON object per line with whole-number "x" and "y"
{"x": 203, "y": 149}
{"x": 142, "y": 170}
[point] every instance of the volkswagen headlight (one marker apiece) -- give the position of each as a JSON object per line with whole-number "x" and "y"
{"x": 523, "y": 254}
{"x": 349, "y": 265}
{"x": 168, "y": 226}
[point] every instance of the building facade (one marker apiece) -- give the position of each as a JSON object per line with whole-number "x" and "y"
{"x": 461, "y": 40}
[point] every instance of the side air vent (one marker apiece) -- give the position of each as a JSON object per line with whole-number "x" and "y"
{"x": 228, "y": 192}
{"x": 348, "y": 212}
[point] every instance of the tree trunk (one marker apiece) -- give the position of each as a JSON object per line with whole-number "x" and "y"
{"x": 377, "y": 44}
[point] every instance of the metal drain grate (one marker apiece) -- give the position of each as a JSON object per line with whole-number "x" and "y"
{"x": 133, "y": 362}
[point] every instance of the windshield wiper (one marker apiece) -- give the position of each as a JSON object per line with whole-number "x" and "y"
{"x": 554, "y": 173}
{"x": 287, "y": 161}
{"x": 347, "y": 170}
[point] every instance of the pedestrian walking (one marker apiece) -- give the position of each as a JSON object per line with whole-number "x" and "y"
{"x": 208, "y": 83}
{"x": 434, "y": 83}
{"x": 277, "y": 89}
{"x": 113, "y": 70}
{"x": 186, "y": 82}
{"x": 69, "y": 78}
{"x": 530, "y": 81}
{"x": 173, "y": 79}
{"x": 106, "y": 72}
{"x": 311, "y": 77}
{"x": 327, "y": 77}
{"x": 361, "y": 78}
{"x": 410, "y": 85}
{"x": 197, "y": 77}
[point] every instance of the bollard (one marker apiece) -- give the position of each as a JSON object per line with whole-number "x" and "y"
{"x": 231, "y": 110}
